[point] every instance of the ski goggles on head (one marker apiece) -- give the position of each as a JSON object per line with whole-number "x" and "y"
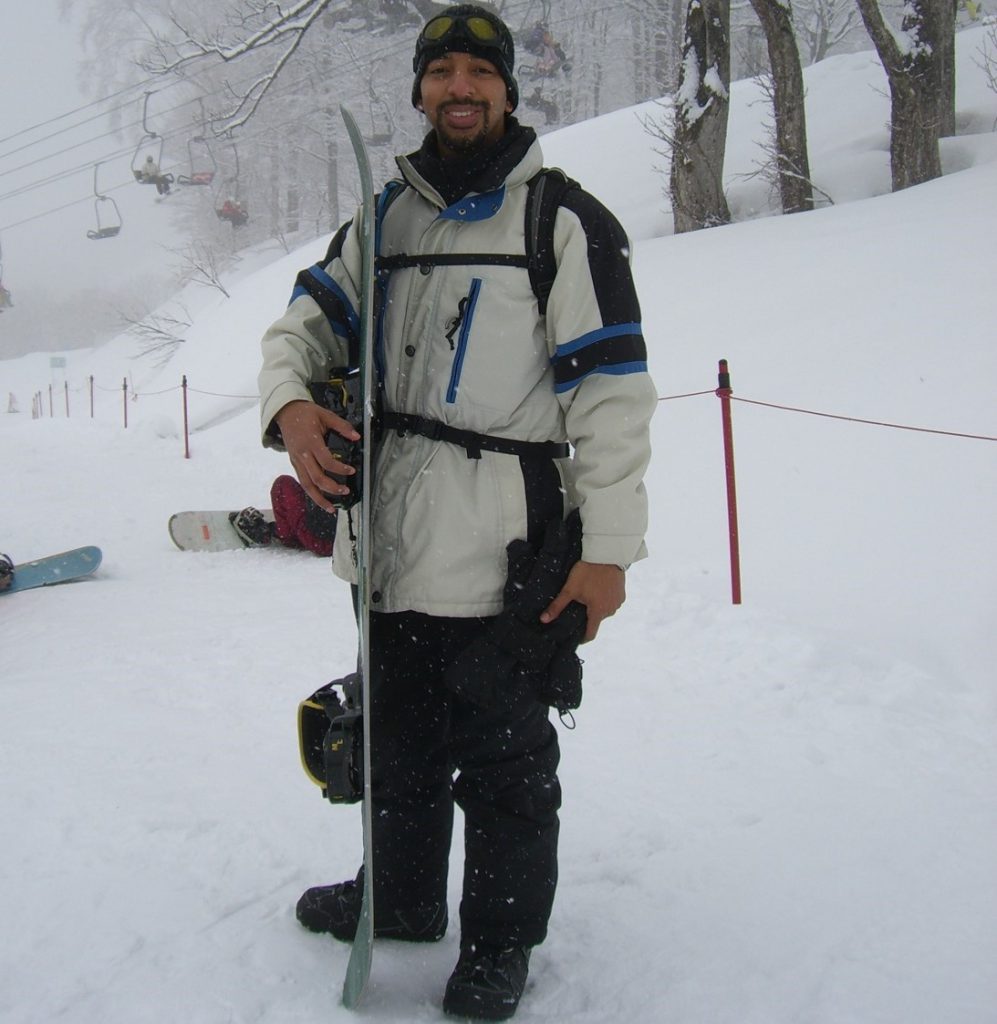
{"x": 474, "y": 29}
{"x": 481, "y": 29}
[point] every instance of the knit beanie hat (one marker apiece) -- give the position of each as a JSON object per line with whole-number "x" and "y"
{"x": 466, "y": 28}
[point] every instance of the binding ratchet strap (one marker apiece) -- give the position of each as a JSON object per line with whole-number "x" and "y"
{"x": 475, "y": 444}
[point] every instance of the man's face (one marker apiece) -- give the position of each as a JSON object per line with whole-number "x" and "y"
{"x": 465, "y": 99}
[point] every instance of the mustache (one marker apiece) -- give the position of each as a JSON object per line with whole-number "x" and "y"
{"x": 447, "y": 104}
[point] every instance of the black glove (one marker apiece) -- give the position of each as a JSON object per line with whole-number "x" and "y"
{"x": 518, "y": 658}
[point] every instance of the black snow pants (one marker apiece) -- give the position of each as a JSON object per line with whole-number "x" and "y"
{"x": 506, "y": 785}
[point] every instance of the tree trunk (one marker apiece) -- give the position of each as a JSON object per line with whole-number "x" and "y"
{"x": 913, "y": 74}
{"x": 667, "y": 33}
{"x": 795, "y": 190}
{"x": 700, "y": 123}
{"x": 946, "y": 51}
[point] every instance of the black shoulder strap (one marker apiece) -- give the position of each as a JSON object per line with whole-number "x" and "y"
{"x": 391, "y": 191}
{"x": 545, "y": 193}
{"x": 547, "y": 189}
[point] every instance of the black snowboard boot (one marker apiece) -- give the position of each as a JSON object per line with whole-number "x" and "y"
{"x": 336, "y": 909}
{"x": 487, "y": 982}
{"x": 6, "y": 571}
{"x": 252, "y": 527}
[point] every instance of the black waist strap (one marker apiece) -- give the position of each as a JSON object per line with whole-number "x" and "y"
{"x": 425, "y": 261}
{"x": 474, "y": 443}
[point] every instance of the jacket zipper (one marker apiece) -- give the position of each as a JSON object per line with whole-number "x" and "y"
{"x": 465, "y": 332}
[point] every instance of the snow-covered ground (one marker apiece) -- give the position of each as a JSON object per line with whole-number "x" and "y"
{"x": 779, "y": 812}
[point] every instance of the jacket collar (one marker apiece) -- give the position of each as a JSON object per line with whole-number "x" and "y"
{"x": 514, "y": 159}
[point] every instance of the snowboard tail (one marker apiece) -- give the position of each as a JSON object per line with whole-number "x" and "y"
{"x": 64, "y": 567}
{"x": 212, "y": 531}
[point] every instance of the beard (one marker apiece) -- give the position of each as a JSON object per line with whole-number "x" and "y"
{"x": 463, "y": 144}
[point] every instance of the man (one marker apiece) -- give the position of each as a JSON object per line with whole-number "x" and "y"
{"x": 461, "y": 343}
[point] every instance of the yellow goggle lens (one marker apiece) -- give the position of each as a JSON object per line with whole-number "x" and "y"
{"x": 481, "y": 28}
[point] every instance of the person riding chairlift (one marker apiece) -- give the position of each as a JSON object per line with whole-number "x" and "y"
{"x": 548, "y": 51}
{"x": 151, "y": 176}
{"x": 233, "y": 211}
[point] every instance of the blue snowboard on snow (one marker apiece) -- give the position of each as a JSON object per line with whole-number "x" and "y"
{"x": 61, "y": 568}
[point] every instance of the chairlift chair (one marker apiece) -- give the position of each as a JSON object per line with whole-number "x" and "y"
{"x": 108, "y": 225}
{"x": 151, "y": 144}
{"x": 202, "y": 163}
{"x": 5, "y": 301}
{"x": 106, "y": 212}
{"x": 229, "y": 204}
{"x": 4, "y": 292}
{"x": 380, "y": 116}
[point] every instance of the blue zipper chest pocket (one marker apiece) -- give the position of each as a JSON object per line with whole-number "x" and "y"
{"x": 465, "y": 332}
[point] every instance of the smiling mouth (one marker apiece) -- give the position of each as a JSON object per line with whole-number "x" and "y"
{"x": 462, "y": 117}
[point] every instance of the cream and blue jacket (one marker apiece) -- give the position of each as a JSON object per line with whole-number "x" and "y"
{"x": 463, "y": 343}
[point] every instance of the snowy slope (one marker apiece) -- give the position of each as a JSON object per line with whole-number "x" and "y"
{"x": 778, "y": 812}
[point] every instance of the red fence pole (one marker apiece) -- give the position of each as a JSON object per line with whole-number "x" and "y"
{"x": 186, "y": 431}
{"x": 723, "y": 393}
{"x": 91, "y": 396}
{"x": 66, "y": 386}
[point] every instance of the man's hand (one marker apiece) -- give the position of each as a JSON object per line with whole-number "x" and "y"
{"x": 601, "y": 588}
{"x": 303, "y": 426}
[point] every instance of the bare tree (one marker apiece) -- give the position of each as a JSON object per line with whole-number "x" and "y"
{"x": 204, "y": 263}
{"x": 988, "y": 58}
{"x": 793, "y": 164}
{"x": 159, "y": 334}
{"x": 768, "y": 170}
{"x": 657, "y": 35}
{"x": 913, "y": 60}
{"x": 822, "y": 25}
{"x": 698, "y": 137}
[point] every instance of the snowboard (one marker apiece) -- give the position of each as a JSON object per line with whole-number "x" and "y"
{"x": 361, "y": 953}
{"x": 212, "y": 531}
{"x": 64, "y": 567}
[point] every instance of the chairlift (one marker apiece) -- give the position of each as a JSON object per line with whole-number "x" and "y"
{"x": 106, "y": 212}
{"x": 149, "y": 149}
{"x": 380, "y": 116}
{"x": 536, "y": 38}
{"x": 200, "y": 157}
{"x": 5, "y": 299}
{"x": 536, "y": 16}
{"x": 229, "y": 204}
{"x": 234, "y": 211}
{"x": 201, "y": 161}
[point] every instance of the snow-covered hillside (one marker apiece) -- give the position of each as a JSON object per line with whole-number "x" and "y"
{"x": 778, "y": 812}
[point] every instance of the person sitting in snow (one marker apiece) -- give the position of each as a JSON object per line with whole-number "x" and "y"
{"x": 298, "y": 522}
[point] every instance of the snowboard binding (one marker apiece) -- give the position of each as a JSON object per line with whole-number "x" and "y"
{"x": 341, "y": 394}
{"x": 330, "y": 738}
